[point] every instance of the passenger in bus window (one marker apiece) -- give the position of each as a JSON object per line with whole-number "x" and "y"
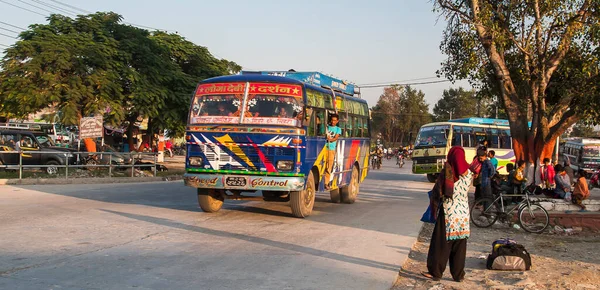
{"x": 333, "y": 133}
{"x": 284, "y": 113}
{"x": 222, "y": 110}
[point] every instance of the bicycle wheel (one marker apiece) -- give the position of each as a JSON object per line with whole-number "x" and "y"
{"x": 484, "y": 212}
{"x": 533, "y": 218}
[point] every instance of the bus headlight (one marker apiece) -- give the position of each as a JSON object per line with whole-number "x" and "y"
{"x": 285, "y": 165}
{"x": 195, "y": 161}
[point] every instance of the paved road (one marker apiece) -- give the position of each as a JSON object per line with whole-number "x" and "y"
{"x": 153, "y": 236}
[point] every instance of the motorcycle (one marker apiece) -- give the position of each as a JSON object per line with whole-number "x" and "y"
{"x": 375, "y": 162}
{"x": 400, "y": 160}
{"x": 595, "y": 179}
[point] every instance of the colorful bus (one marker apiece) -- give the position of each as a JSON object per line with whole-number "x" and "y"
{"x": 583, "y": 153}
{"x": 265, "y": 132}
{"x": 435, "y": 140}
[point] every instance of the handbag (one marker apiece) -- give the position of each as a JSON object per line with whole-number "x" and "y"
{"x": 428, "y": 214}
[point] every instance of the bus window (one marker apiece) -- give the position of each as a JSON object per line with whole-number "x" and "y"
{"x": 357, "y": 127}
{"x": 505, "y": 141}
{"x": 432, "y": 136}
{"x": 365, "y": 130}
{"x": 273, "y": 106}
{"x": 492, "y": 138}
{"x": 320, "y": 122}
{"x": 341, "y": 124}
{"x": 349, "y": 132}
{"x": 457, "y": 136}
{"x": 217, "y": 105}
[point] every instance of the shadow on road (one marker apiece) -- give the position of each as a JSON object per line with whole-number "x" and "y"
{"x": 257, "y": 240}
{"x": 390, "y": 191}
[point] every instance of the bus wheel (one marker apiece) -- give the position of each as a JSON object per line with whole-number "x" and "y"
{"x": 302, "y": 201}
{"x": 350, "y": 191}
{"x": 431, "y": 177}
{"x": 335, "y": 195}
{"x": 210, "y": 200}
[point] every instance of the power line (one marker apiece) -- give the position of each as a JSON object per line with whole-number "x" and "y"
{"x": 395, "y": 82}
{"x": 71, "y": 6}
{"x": 9, "y": 30}
{"x": 4, "y": 45}
{"x": 129, "y": 23}
{"x": 52, "y": 12}
{"x": 55, "y": 7}
{"x": 7, "y": 35}
{"x": 405, "y": 84}
{"x": 8, "y": 24}
{"x": 23, "y": 8}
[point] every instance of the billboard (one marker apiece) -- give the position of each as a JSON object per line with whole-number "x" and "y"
{"x": 91, "y": 127}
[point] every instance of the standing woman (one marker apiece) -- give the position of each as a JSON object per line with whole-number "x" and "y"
{"x": 451, "y": 204}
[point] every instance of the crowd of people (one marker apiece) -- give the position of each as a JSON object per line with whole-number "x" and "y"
{"x": 449, "y": 203}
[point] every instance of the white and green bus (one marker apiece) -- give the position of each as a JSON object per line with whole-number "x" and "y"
{"x": 435, "y": 140}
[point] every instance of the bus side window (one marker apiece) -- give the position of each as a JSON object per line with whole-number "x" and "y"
{"x": 357, "y": 127}
{"x": 493, "y": 141}
{"x": 312, "y": 131}
{"x": 349, "y": 126}
{"x": 342, "y": 125}
{"x": 320, "y": 122}
{"x": 456, "y": 136}
{"x": 365, "y": 130}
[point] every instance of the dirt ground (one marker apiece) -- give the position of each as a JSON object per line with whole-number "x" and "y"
{"x": 558, "y": 262}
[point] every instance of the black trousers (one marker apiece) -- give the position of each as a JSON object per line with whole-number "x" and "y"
{"x": 442, "y": 252}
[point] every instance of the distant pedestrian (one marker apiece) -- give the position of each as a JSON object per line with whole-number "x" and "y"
{"x": 169, "y": 147}
{"x": 492, "y": 156}
{"x": 450, "y": 203}
{"x": 562, "y": 181}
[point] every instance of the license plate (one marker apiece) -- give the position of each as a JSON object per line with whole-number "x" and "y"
{"x": 235, "y": 181}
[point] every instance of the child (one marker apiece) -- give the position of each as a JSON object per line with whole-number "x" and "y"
{"x": 581, "y": 191}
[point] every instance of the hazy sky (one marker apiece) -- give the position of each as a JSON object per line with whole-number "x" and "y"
{"x": 364, "y": 42}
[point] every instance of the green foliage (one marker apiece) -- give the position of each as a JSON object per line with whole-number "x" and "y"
{"x": 585, "y": 131}
{"x": 457, "y": 103}
{"x": 540, "y": 58}
{"x": 94, "y": 64}
{"x": 400, "y": 112}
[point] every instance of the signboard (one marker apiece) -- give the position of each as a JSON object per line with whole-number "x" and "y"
{"x": 91, "y": 127}
{"x": 313, "y": 78}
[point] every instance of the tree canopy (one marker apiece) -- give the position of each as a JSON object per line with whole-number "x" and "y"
{"x": 541, "y": 58}
{"x": 95, "y": 64}
{"x": 457, "y": 103}
{"x": 400, "y": 112}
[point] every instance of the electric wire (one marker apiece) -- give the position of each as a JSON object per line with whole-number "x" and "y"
{"x": 55, "y": 7}
{"x": 7, "y": 35}
{"x": 404, "y": 84}
{"x": 396, "y": 82}
{"x": 52, "y": 12}
{"x": 10, "y": 30}
{"x": 14, "y": 26}
{"x": 23, "y": 8}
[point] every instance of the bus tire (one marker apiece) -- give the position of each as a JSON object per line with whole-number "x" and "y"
{"x": 335, "y": 195}
{"x": 303, "y": 201}
{"x": 210, "y": 200}
{"x": 350, "y": 191}
{"x": 431, "y": 177}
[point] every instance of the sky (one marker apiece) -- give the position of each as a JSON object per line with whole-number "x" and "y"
{"x": 364, "y": 42}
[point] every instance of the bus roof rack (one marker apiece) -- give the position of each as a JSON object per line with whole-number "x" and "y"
{"x": 481, "y": 121}
{"x": 313, "y": 78}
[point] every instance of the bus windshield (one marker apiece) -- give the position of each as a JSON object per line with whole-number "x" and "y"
{"x": 266, "y": 104}
{"x": 591, "y": 151}
{"x": 432, "y": 136}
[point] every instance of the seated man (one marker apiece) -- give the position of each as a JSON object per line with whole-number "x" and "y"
{"x": 507, "y": 186}
{"x": 581, "y": 190}
{"x": 563, "y": 184}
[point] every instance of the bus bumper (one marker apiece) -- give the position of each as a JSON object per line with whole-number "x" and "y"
{"x": 243, "y": 182}
{"x": 426, "y": 168}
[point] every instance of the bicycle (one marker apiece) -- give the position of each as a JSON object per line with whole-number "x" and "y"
{"x": 532, "y": 217}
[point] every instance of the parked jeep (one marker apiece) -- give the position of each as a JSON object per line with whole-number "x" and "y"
{"x": 31, "y": 142}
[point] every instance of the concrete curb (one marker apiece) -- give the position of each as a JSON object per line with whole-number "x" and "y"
{"x": 41, "y": 181}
